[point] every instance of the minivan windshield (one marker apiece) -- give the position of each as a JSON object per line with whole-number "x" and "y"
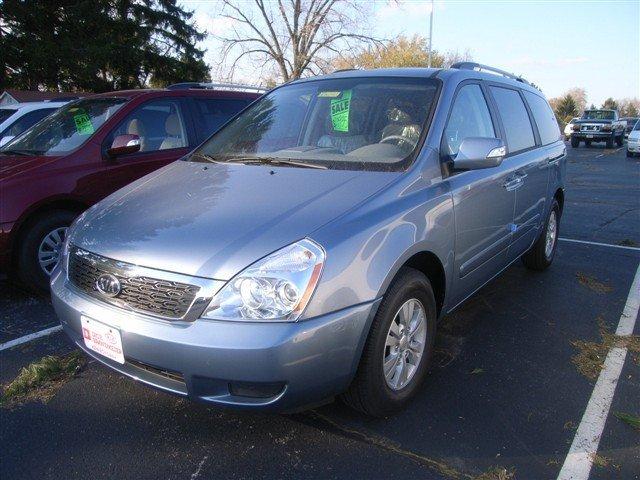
{"x": 637, "y": 126}
{"x": 365, "y": 123}
{"x": 66, "y": 129}
{"x": 599, "y": 115}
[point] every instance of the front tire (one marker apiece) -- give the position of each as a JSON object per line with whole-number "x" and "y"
{"x": 575, "y": 143}
{"x": 40, "y": 248}
{"x": 610, "y": 141}
{"x": 541, "y": 254}
{"x": 398, "y": 351}
{"x": 620, "y": 140}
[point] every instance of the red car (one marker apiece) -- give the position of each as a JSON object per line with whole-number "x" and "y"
{"x": 87, "y": 150}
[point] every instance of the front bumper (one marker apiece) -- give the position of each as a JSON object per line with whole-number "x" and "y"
{"x": 592, "y": 135}
{"x": 307, "y": 361}
{"x": 633, "y": 147}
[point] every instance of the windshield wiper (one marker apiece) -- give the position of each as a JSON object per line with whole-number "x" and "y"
{"x": 18, "y": 152}
{"x": 206, "y": 157}
{"x": 273, "y": 161}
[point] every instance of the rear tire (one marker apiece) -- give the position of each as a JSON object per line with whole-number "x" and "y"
{"x": 575, "y": 143}
{"x": 39, "y": 245}
{"x": 372, "y": 392}
{"x": 541, "y": 254}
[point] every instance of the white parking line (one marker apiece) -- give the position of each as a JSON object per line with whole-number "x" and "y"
{"x": 598, "y": 244}
{"x": 28, "y": 338}
{"x": 579, "y": 460}
{"x": 609, "y": 153}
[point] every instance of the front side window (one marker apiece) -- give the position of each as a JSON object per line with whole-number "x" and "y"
{"x": 469, "y": 117}
{"x": 515, "y": 119}
{"x": 353, "y": 123}
{"x": 637, "y": 127}
{"x": 67, "y": 129}
{"x": 158, "y": 123}
{"x": 544, "y": 117}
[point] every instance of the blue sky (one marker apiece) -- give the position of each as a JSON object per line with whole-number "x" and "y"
{"x": 555, "y": 44}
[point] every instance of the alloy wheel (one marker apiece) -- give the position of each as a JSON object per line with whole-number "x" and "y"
{"x": 49, "y": 249}
{"x": 405, "y": 344}
{"x": 552, "y": 230}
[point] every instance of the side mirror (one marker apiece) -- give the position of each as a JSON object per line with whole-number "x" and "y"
{"x": 6, "y": 139}
{"x": 124, "y": 144}
{"x": 479, "y": 152}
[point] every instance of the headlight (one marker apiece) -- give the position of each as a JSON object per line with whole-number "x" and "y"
{"x": 64, "y": 252}
{"x": 576, "y": 127}
{"x": 606, "y": 128}
{"x": 278, "y": 287}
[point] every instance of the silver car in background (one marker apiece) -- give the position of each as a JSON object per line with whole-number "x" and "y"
{"x": 308, "y": 249}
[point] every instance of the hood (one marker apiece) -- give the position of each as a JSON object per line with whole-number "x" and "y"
{"x": 594, "y": 121}
{"x": 213, "y": 220}
{"x": 11, "y": 165}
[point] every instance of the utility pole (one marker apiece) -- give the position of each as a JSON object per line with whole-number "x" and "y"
{"x": 430, "y": 32}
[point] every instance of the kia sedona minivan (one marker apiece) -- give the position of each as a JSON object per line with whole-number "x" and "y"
{"x": 308, "y": 249}
{"x": 88, "y": 149}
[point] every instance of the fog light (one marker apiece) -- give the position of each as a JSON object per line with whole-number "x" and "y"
{"x": 255, "y": 390}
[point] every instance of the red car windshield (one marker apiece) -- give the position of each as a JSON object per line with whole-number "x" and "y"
{"x": 67, "y": 129}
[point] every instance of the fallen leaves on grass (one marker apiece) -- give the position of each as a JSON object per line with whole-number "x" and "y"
{"x": 628, "y": 243}
{"x": 591, "y": 355}
{"x": 592, "y": 283}
{"x": 629, "y": 419}
{"x": 497, "y": 473}
{"x": 476, "y": 371}
{"x": 600, "y": 460}
{"x": 42, "y": 379}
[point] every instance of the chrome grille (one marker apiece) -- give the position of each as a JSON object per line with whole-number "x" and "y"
{"x": 159, "y": 297}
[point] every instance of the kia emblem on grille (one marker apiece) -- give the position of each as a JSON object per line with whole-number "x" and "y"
{"x": 108, "y": 285}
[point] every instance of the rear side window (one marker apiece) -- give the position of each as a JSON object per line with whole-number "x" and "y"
{"x": 469, "y": 117}
{"x": 6, "y": 113}
{"x": 27, "y": 121}
{"x": 216, "y": 112}
{"x": 544, "y": 117}
{"x": 514, "y": 118}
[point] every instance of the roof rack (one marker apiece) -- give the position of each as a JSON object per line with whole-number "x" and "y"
{"x": 237, "y": 87}
{"x": 487, "y": 68}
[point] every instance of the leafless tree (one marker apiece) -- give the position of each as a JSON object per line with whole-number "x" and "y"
{"x": 298, "y": 37}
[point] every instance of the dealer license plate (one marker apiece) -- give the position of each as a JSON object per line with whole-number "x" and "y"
{"x": 102, "y": 339}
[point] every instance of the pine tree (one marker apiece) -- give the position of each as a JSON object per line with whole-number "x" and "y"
{"x": 98, "y": 45}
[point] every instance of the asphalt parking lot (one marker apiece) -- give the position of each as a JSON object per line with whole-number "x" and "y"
{"x": 503, "y": 391}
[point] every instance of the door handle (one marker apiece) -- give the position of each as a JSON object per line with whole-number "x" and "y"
{"x": 513, "y": 184}
{"x": 555, "y": 160}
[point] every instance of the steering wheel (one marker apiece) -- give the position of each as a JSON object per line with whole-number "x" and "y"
{"x": 398, "y": 140}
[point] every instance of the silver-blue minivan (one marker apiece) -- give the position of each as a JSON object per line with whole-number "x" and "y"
{"x": 308, "y": 249}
